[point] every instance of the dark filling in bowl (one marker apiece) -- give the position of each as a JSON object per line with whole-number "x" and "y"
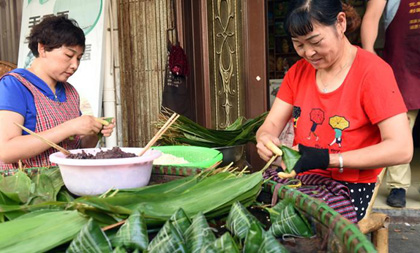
{"x": 115, "y": 152}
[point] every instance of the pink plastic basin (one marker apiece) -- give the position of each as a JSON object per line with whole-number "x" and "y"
{"x": 96, "y": 176}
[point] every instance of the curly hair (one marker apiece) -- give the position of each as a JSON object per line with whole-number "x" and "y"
{"x": 54, "y": 32}
{"x": 352, "y": 17}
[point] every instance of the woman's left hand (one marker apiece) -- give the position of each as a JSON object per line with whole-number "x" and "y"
{"x": 107, "y": 130}
{"x": 311, "y": 158}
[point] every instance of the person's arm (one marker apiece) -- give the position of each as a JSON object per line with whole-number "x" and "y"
{"x": 395, "y": 148}
{"x": 15, "y": 146}
{"x": 370, "y": 23}
{"x": 272, "y": 127}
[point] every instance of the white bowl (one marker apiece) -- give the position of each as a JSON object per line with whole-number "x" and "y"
{"x": 96, "y": 176}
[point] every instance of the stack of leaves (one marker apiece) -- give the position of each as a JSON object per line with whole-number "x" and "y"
{"x": 187, "y": 132}
{"x": 211, "y": 193}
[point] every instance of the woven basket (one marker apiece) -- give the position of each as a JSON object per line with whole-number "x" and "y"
{"x": 6, "y": 67}
{"x": 347, "y": 233}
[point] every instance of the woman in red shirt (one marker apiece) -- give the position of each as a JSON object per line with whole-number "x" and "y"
{"x": 352, "y": 119}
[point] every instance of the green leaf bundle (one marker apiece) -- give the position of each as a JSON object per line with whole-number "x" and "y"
{"x": 213, "y": 196}
{"x": 187, "y": 132}
{"x": 133, "y": 234}
{"x": 239, "y": 220}
{"x": 199, "y": 234}
{"x": 92, "y": 239}
{"x": 290, "y": 222}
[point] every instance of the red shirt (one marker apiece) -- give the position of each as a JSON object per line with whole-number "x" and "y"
{"x": 346, "y": 118}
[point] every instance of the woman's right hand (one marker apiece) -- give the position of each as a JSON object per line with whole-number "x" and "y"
{"x": 84, "y": 125}
{"x": 262, "y": 140}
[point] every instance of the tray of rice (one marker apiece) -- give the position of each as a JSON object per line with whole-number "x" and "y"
{"x": 185, "y": 160}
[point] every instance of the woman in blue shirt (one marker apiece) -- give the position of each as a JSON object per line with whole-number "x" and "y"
{"x": 41, "y": 99}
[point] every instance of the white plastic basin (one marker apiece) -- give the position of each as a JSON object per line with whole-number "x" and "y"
{"x": 96, "y": 176}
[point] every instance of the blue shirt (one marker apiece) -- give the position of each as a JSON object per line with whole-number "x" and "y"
{"x": 14, "y": 96}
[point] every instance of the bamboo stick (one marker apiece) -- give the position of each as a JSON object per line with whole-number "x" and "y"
{"x": 52, "y": 144}
{"x": 274, "y": 157}
{"x": 162, "y": 130}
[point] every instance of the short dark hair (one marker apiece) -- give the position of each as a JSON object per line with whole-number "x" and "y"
{"x": 54, "y": 32}
{"x": 302, "y": 13}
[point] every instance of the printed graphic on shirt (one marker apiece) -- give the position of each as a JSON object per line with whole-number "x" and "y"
{"x": 296, "y": 115}
{"x": 338, "y": 123}
{"x": 317, "y": 116}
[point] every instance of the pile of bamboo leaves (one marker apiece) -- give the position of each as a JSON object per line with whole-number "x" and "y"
{"x": 38, "y": 214}
{"x": 180, "y": 233}
{"x": 187, "y": 132}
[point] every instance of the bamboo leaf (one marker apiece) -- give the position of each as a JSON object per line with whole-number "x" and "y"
{"x": 271, "y": 245}
{"x": 276, "y": 210}
{"x": 172, "y": 231}
{"x": 119, "y": 250}
{"x": 168, "y": 240}
{"x": 64, "y": 196}
{"x": 133, "y": 234}
{"x": 290, "y": 222}
{"x": 290, "y": 157}
{"x": 237, "y": 124}
{"x": 91, "y": 238}
{"x": 180, "y": 221}
{"x": 239, "y": 220}
{"x": 55, "y": 176}
{"x": 102, "y": 218}
{"x": 209, "y": 248}
{"x": 40, "y": 233}
{"x": 199, "y": 234}
{"x": 254, "y": 238}
{"x": 186, "y": 131}
{"x": 212, "y": 195}
{"x": 109, "y": 120}
{"x": 43, "y": 189}
{"x": 208, "y": 195}
{"x": 16, "y": 187}
{"x": 226, "y": 244}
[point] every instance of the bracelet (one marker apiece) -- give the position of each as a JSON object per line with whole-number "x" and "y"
{"x": 340, "y": 160}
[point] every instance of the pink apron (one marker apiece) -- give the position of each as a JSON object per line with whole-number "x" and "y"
{"x": 49, "y": 114}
